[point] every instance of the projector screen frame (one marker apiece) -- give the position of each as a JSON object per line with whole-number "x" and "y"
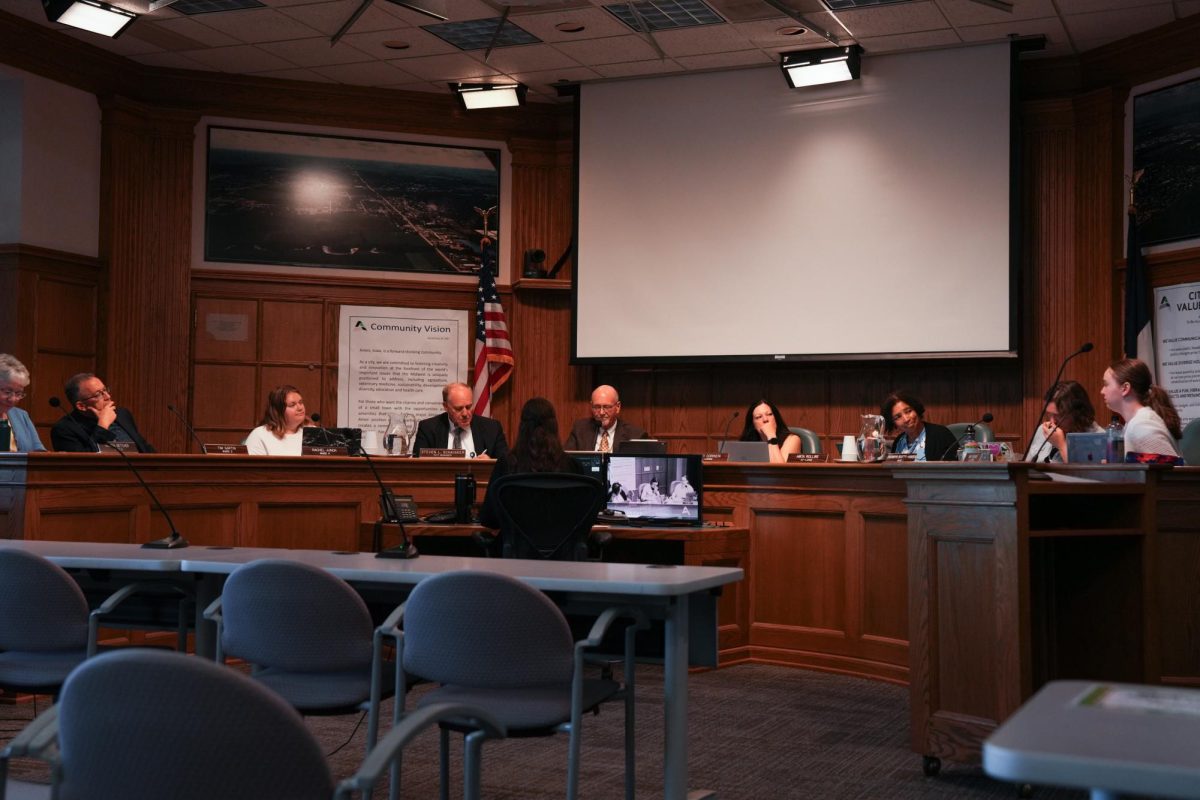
{"x": 1015, "y": 228}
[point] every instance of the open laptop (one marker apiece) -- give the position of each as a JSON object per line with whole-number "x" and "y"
{"x": 746, "y": 451}
{"x": 332, "y": 437}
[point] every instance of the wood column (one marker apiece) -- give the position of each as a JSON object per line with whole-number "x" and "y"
{"x": 145, "y": 238}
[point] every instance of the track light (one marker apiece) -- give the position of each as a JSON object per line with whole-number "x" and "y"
{"x": 815, "y": 67}
{"x": 89, "y": 15}
{"x": 490, "y": 95}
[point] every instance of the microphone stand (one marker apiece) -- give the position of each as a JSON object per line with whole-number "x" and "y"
{"x": 387, "y": 510}
{"x": 175, "y": 540}
{"x": 190, "y": 429}
{"x": 725, "y": 433}
{"x": 1086, "y": 348}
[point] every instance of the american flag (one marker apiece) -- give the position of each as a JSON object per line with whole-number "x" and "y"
{"x": 493, "y": 350}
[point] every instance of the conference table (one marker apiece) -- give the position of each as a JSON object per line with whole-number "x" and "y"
{"x": 666, "y": 593}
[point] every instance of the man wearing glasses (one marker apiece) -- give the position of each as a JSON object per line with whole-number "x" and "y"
{"x": 605, "y": 429}
{"x": 95, "y": 419}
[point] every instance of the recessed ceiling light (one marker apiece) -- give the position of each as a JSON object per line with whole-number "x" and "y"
{"x": 396, "y": 45}
{"x": 791, "y": 30}
{"x": 570, "y": 27}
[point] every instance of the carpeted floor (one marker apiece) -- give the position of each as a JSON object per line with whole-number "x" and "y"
{"x": 756, "y": 732}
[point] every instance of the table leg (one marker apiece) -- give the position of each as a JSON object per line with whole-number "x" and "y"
{"x": 208, "y": 588}
{"x": 675, "y": 661}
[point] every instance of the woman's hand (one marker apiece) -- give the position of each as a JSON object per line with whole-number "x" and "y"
{"x": 1055, "y": 436}
{"x": 767, "y": 431}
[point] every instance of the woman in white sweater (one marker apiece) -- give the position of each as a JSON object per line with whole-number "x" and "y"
{"x": 280, "y": 434}
{"x": 1151, "y": 421}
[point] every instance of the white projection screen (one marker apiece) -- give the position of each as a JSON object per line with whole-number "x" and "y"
{"x": 726, "y": 217}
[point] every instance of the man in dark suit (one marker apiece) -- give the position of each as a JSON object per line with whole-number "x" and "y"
{"x": 95, "y": 420}
{"x": 459, "y": 428}
{"x": 605, "y": 429}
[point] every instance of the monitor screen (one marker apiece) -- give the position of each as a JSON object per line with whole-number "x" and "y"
{"x": 666, "y": 489}
{"x": 590, "y": 462}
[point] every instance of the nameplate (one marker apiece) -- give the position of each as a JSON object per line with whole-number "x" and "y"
{"x": 124, "y": 447}
{"x": 442, "y": 452}
{"x": 900, "y": 457}
{"x": 807, "y": 458}
{"x": 716, "y": 457}
{"x": 226, "y": 449}
{"x": 324, "y": 450}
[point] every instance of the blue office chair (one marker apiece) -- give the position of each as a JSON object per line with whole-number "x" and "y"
{"x": 809, "y": 441}
{"x": 497, "y": 644}
{"x": 147, "y": 725}
{"x": 1189, "y": 443}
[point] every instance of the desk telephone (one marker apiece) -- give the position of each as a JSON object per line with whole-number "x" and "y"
{"x": 397, "y": 509}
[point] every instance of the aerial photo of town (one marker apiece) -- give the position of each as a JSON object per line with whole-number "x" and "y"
{"x": 321, "y": 201}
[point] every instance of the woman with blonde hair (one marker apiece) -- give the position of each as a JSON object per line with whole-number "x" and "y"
{"x": 280, "y": 434}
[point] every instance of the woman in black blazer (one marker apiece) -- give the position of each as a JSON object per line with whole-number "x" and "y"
{"x": 904, "y": 413}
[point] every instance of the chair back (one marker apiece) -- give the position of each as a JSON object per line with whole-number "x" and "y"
{"x": 1189, "y": 443}
{"x": 41, "y": 607}
{"x": 296, "y": 617}
{"x": 809, "y": 441}
{"x": 983, "y": 431}
{"x": 547, "y": 515}
{"x": 151, "y": 724}
{"x": 481, "y": 629}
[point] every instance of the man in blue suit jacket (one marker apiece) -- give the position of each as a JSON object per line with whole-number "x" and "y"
{"x": 95, "y": 419}
{"x": 478, "y": 436}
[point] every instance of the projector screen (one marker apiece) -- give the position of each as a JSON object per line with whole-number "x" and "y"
{"x": 727, "y": 217}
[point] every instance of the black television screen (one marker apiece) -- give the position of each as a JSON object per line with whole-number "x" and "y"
{"x": 657, "y": 489}
{"x": 590, "y": 461}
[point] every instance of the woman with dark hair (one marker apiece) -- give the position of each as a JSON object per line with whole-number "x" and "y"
{"x": 904, "y": 412}
{"x": 279, "y": 434}
{"x": 537, "y": 449}
{"x": 1069, "y": 411}
{"x": 764, "y": 423}
{"x": 1151, "y": 421}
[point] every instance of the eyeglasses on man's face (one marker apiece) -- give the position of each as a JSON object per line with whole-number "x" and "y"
{"x": 105, "y": 392}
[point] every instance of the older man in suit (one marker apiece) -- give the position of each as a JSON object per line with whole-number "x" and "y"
{"x": 459, "y": 429}
{"x": 95, "y": 419}
{"x": 605, "y": 429}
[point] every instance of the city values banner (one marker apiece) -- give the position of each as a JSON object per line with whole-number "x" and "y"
{"x": 1177, "y": 345}
{"x": 392, "y": 365}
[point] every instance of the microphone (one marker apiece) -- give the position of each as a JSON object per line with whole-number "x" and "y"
{"x": 1085, "y": 348}
{"x": 725, "y": 433}
{"x": 388, "y": 513}
{"x": 315, "y": 417}
{"x": 970, "y": 431}
{"x": 87, "y": 437}
{"x": 190, "y": 429}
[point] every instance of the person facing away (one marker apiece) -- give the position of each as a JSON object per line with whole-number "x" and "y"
{"x": 1152, "y": 424}
{"x": 95, "y": 419}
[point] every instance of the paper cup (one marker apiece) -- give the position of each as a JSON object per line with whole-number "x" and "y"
{"x": 849, "y": 449}
{"x": 370, "y": 442}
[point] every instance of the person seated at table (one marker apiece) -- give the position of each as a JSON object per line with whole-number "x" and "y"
{"x": 537, "y": 449}
{"x": 616, "y": 494}
{"x": 17, "y": 431}
{"x": 459, "y": 428}
{"x": 280, "y": 433}
{"x": 682, "y": 491}
{"x": 905, "y": 413}
{"x": 95, "y": 419}
{"x": 1069, "y": 411}
{"x": 764, "y": 423}
{"x": 1152, "y": 424}
{"x": 650, "y": 492}
{"x": 604, "y": 430}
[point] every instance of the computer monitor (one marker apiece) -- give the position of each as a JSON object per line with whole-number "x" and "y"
{"x": 656, "y": 489}
{"x": 641, "y": 447}
{"x": 590, "y": 461}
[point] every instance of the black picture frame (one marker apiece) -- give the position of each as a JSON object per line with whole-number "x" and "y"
{"x": 1166, "y": 151}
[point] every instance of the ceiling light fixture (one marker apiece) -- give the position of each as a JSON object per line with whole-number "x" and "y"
{"x": 490, "y": 95}
{"x": 816, "y": 67}
{"x": 89, "y": 15}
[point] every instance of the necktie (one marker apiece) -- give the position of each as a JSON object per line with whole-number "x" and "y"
{"x": 458, "y": 437}
{"x": 604, "y": 445}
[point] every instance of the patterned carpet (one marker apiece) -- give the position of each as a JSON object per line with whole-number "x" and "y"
{"x": 757, "y": 732}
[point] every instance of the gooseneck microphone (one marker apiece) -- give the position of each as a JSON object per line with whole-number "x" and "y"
{"x": 970, "y": 431}
{"x": 190, "y": 429}
{"x": 725, "y": 433}
{"x": 388, "y": 513}
{"x": 1085, "y": 348}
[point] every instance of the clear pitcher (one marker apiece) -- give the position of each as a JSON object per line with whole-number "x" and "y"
{"x": 398, "y": 438}
{"x": 872, "y": 444}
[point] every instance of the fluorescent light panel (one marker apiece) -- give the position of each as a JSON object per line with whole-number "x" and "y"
{"x": 489, "y": 95}
{"x": 90, "y": 15}
{"x": 816, "y": 67}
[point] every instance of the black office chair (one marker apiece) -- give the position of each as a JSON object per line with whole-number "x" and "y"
{"x": 983, "y": 431}
{"x": 549, "y": 515}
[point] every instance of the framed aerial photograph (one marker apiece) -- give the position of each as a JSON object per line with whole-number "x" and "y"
{"x": 282, "y": 198}
{"x": 1166, "y": 152}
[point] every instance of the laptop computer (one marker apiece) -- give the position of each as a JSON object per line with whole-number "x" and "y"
{"x": 746, "y": 451}
{"x": 1087, "y": 448}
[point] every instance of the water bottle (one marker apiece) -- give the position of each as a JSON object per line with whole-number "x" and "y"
{"x": 1116, "y": 441}
{"x": 969, "y": 451}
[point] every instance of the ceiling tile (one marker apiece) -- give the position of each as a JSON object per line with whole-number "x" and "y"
{"x": 456, "y": 67}
{"x": 910, "y": 41}
{"x": 239, "y": 58}
{"x": 420, "y": 43}
{"x": 422, "y": 86}
{"x": 1068, "y": 7}
{"x": 609, "y": 50}
{"x": 315, "y": 52}
{"x": 459, "y": 11}
{"x": 741, "y": 58}
{"x": 701, "y": 40}
{"x": 966, "y": 12}
{"x": 1102, "y": 27}
{"x": 597, "y": 23}
{"x": 748, "y": 10}
{"x": 544, "y": 81}
{"x": 290, "y": 3}
{"x": 763, "y": 34}
{"x": 890, "y": 20}
{"x": 126, "y": 44}
{"x": 297, "y": 75}
{"x": 528, "y": 58}
{"x": 634, "y": 69}
{"x": 326, "y": 18}
{"x": 1051, "y": 28}
{"x": 188, "y": 30}
{"x": 168, "y": 61}
{"x": 370, "y": 73}
{"x": 254, "y": 25}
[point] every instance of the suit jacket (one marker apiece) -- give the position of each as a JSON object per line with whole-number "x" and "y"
{"x": 940, "y": 443}
{"x": 81, "y": 433}
{"x": 25, "y": 432}
{"x": 487, "y": 433}
{"x": 584, "y": 432}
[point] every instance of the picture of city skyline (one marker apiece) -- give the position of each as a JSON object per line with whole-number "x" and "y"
{"x": 328, "y": 201}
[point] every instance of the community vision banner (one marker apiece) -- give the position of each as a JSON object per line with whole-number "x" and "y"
{"x": 1177, "y": 329}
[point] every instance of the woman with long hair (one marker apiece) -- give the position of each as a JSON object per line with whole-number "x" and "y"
{"x": 1151, "y": 421}
{"x": 764, "y": 423}
{"x": 904, "y": 412}
{"x": 1070, "y": 410}
{"x": 279, "y": 433}
{"x": 537, "y": 449}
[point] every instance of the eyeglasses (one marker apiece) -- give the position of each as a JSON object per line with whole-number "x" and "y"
{"x": 15, "y": 394}
{"x": 604, "y": 408}
{"x": 105, "y": 392}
